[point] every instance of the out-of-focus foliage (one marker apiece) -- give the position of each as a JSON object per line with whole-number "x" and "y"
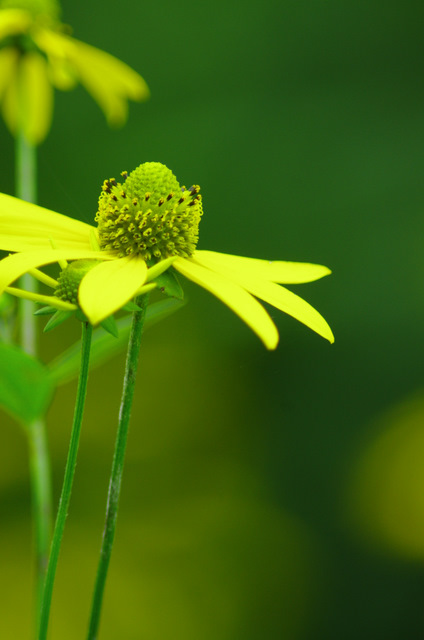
{"x": 304, "y": 125}
{"x": 26, "y": 387}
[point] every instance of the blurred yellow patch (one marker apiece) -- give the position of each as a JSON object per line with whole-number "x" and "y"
{"x": 38, "y": 55}
{"x": 387, "y": 499}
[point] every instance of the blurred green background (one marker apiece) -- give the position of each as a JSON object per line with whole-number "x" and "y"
{"x": 266, "y": 495}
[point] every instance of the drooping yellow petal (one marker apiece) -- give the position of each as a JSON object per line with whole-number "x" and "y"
{"x": 25, "y": 226}
{"x": 8, "y": 63}
{"x": 285, "y": 300}
{"x": 109, "y": 286}
{"x": 271, "y": 270}
{"x": 14, "y": 266}
{"x": 234, "y": 296}
{"x": 13, "y": 22}
{"x": 37, "y": 97}
{"x": 61, "y": 73}
{"x": 110, "y": 81}
{"x": 10, "y": 103}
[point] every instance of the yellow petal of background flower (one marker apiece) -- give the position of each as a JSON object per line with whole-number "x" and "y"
{"x": 285, "y": 300}
{"x": 61, "y": 74}
{"x": 14, "y": 266}
{"x": 25, "y": 226}
{"x": 8, "y": 61}
{"x": 13, "y": 22}
{"x": 110, "y": 81}
{"x": 37, "y": 97}
{"x": 109, "y": 286}
{"x": 236, "y": 298}
{"x": 10, "y": 103}
{"x": 272, "y": 270}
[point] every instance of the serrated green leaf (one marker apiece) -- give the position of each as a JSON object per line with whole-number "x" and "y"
{"x": 103, "y": 346}
{"x": 58, "y": 318}
{"x": 26, "y": 386}
{"x": 169, "y": 285}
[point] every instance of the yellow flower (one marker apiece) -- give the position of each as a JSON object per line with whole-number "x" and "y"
{"x": 147, "y": 225}
{"x": 36, "y": 54}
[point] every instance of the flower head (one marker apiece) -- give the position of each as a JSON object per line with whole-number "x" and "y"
{"x": 37, "y": 53}
{"x": 147, "y": 225}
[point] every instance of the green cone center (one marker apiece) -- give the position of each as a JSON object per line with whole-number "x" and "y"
{"x": 70, "y": 278}
{"x": 149, "y": 214}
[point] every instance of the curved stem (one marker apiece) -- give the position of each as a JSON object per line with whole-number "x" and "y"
{"x": 67, "y": 482}
{"x": 117, "y": 465}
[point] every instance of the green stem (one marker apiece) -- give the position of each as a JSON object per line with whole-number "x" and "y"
{"x": 26, "y": 189}
{"x": 39, "y": 462}
{"x": 118, "y": 464}
{"x": 67, "y": 482}
{"x": 41, "y": 501}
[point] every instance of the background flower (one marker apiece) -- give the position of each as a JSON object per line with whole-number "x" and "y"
{"x": 37, "y": 54}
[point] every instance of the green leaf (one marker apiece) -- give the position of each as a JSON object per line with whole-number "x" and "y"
{"x": 58, "y": 318}
{"x": 45, "y": 311}
{"x": 109, "y": 325}
{"x": 131, "y": 306}
{"x": 26, "y": 386}
{"x": 103, "y": 346}
{"x": 168, "y": 284}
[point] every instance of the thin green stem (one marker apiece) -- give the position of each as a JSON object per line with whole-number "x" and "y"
{"x": 26, "y": 189}
{"x": 67, "y": 482}
{"x": 41, "y": 501}
{"x": 117, "y": 465}
{"x": 39, "y": 462}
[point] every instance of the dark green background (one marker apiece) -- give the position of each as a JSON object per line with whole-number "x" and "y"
{"x": 248, "y": 511}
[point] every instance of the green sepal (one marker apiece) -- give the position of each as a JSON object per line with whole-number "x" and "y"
{"x": 169, "y": 285}
{"x": 45, "y": 311}
{"x": 26, "y": 386}
{"x": 58, "y": 318}
{"x": 109, "y": 325}
{"x": 103, "y": 346}
{"x": 131, "y": 306}
{"x": 81, "y": 316}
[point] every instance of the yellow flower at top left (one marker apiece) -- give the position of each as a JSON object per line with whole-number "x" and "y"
{"x": 37, "y": 55}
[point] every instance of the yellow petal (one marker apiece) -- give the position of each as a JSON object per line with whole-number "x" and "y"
{"x": 110, "y": 82}
{"x": 14, "y": 266}
{"x": 120, "y": 77}
{"x": 109, "y": 286}
{"x": 61, "y": 74}
{"x": 286, "y": 301}
{"x": 8, "y": 62}
{"x": 236, "y": 298}
{"x": 37, "y": 97}
{"x": 272, "y": 270}
{"x": 26, "y": 226}
{"x": 13, "y": 22}
{"x": 10, "y": 102}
